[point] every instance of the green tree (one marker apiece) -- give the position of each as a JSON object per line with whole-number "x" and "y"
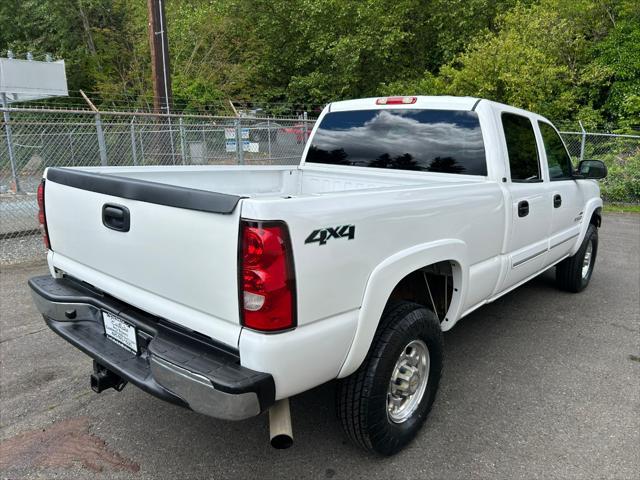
{"x": 565, "y": 59}
{"x": 568, "y": 59}
{"x": 52, "y": 27}
{"x": 619, "y": 56}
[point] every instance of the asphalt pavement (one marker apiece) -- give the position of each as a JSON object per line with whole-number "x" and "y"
{"x": 539, "y": 384}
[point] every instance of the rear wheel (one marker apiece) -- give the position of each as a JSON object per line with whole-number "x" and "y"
{"x": 573, "y": 273}
{"x": 383, "y": 405}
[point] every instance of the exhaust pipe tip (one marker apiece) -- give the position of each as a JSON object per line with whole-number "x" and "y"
{"x": 280, "y": 431}
{"x": 282, "y": 441}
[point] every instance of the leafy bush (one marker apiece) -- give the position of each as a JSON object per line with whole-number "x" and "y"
{"x": 623, "y": 182}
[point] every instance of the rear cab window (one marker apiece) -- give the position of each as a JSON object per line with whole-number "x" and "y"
{"x": 445, "y": 141}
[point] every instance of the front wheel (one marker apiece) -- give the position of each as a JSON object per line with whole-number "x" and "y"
{"x": 383, "y": 405}
{"x": 573, "y": 273}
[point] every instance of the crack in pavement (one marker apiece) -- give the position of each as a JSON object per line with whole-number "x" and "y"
{"x": 22, "y": 336}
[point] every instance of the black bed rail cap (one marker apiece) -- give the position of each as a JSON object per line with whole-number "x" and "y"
{"x": 145, "y": 191}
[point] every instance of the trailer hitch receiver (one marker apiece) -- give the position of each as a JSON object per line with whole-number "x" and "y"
{"x": 103, "y": 379}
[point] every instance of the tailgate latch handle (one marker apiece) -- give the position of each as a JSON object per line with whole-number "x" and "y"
{"x": 116, "y": 217}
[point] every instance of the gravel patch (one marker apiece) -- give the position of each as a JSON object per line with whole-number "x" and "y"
{"x": 22, "y": 249}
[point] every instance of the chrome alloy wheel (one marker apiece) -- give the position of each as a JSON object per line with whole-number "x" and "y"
{"x": 586, "y": 261}
{"x": 408, "y": 381}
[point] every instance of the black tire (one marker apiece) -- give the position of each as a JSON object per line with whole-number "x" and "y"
{"x": 362, "y": 397}
{"x": 569, "y": 275}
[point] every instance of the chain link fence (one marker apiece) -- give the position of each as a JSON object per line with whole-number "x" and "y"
{"x": 33, "y": 139}
{"x": 589, "y": 145}
{"x": 621, "y": 154}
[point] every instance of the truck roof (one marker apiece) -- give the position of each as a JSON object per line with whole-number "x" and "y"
{"x": 422, "y": 102}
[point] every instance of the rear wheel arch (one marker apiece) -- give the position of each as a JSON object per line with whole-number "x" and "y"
{"x": 435, "y": 287}
{"x": 391, "y": 274}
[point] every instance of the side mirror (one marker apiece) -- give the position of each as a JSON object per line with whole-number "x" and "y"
{"x": 592, "y": 169}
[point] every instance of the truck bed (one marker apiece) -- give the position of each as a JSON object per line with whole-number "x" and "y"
{"x": 275, "y": 181}
{"x": 179, "y": 258}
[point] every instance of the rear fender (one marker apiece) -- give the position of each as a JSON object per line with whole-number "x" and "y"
{"x": 388, "y": 274}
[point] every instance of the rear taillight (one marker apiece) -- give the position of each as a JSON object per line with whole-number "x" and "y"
{"x": 396, "y": 100}
{"x": 267, "y": 280}
{"x": 42, "y": 217}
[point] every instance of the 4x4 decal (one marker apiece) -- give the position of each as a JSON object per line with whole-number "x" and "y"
{"x": 323, "y": 235}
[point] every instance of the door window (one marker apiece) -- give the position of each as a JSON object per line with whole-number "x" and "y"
{"x": 558, "y": 160}
{"x": 521, "y": 148}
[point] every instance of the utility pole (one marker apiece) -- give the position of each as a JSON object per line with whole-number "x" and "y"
{"x": 161, "y": 75}
{"x": 159, "y": 44}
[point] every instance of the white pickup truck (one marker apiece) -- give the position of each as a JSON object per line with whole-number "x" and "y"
{"x": 228, "y": 290}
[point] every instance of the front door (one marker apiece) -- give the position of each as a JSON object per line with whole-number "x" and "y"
{"x": 566, "y": 195}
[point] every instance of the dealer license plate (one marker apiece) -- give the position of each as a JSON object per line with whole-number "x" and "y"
{"x": 120, "y": 332}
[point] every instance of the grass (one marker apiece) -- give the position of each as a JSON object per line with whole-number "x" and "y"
{"x": 621, "y": 207}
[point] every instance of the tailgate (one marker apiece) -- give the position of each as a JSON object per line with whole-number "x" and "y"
{"x": 178, "y": 259}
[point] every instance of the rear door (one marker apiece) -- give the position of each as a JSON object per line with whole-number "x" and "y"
{"x": 176, "y": 262}
{"x": 530, "y": 206}
{"x": 566, "y": 196}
